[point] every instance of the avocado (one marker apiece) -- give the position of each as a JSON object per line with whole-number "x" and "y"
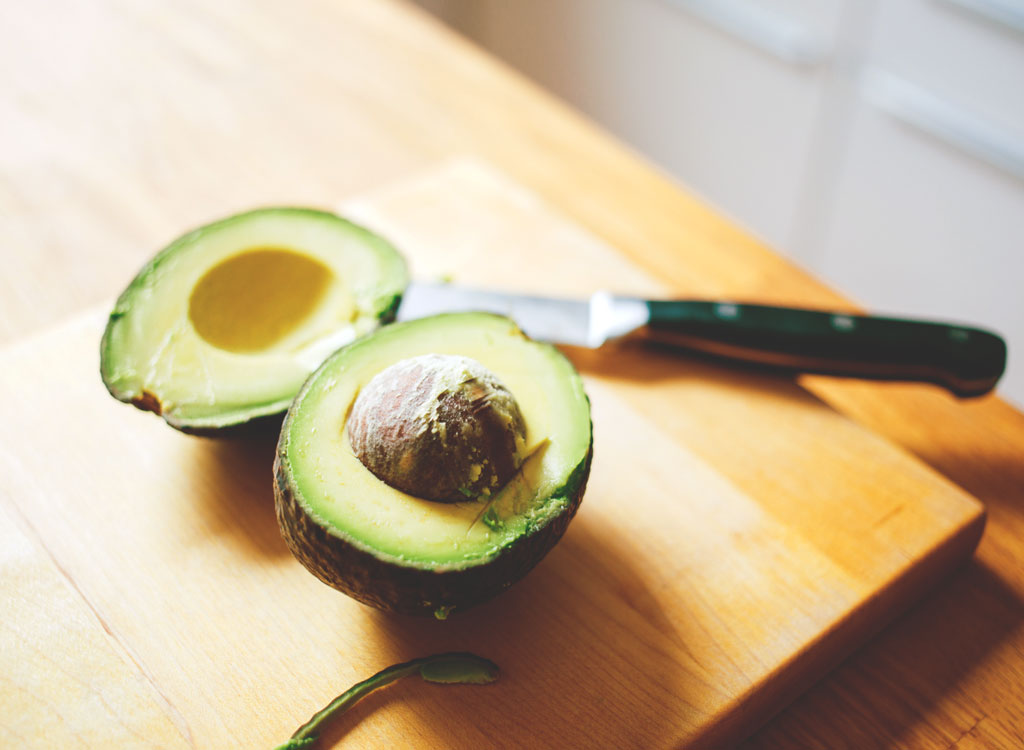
{"x": 466, "y": 401}
{"x": 225, "y": 324}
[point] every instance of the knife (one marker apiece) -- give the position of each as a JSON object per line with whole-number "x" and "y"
{"x": 965, "y": 360}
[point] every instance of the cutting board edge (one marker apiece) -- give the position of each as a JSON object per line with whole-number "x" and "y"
{"x": 763, "y": 701}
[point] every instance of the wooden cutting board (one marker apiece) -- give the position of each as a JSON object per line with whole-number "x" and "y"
{"x": 737, "y": 539}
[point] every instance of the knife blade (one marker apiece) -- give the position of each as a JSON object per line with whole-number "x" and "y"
{"x": 966, "y": 360}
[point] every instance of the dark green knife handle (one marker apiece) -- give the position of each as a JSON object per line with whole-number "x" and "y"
{"x": 965, "y": 360}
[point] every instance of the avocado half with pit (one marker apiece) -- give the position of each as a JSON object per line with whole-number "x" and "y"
{"x": 487, "y": 436}
{"x": 225, "y": 324}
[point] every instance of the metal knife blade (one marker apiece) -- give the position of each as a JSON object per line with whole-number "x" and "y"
{"x": 576, "y": 322}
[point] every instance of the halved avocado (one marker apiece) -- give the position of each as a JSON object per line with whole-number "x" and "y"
{"x": 225, "y": 324}
{"x": 408, "y": 554}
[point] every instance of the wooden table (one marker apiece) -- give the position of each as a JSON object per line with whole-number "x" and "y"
{"x": 124, "y": 122}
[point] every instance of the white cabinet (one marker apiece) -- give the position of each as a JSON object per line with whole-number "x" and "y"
{"x": 881, "y": 144}
{"x": 921, "y": 228}
{"x": 730, "y": 117}
{"x": 965, "y": 57}
{"x": 925, "y": 210}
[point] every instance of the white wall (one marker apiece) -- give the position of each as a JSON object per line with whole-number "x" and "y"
{"x": 880, "y": 144}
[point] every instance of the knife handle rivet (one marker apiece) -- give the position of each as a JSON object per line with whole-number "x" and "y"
{"x": 959, "y": 334}
{"x": 727, "y": 310}
{"x": 843, "y": 322}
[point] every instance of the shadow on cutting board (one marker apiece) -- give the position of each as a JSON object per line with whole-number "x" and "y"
{"x": 936, "y": 647}
{"x": 640, "y": 363}
{"x": 587, "y": 654}
{"x": 932, "y": 675}
{"x": 237, "y": 498}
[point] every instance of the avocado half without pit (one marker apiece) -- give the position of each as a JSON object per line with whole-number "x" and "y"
{"x": 431, "y": 464}
{"x": 225, "y": 324}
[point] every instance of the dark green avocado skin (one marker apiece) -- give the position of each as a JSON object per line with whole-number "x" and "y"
{"x": 406, "y": 589}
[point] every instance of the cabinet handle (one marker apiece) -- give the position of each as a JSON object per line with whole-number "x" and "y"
{"x": 1004, "y": 12}
{"x": 921, "y": 109}
{"x": 777, "y": 35}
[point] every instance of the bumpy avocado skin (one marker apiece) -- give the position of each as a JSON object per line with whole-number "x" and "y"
{"x": 233, "y": 425}
{"x": 406, "y": 589}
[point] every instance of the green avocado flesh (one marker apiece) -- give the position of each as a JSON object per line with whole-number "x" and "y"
{"x": 405, "y": 553}
{"x": 226, "y": 323}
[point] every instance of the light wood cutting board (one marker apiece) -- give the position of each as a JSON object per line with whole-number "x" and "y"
{"x": 737, "y": 539}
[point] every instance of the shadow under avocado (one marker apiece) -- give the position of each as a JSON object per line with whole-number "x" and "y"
{"x": 558, "y": 637}
{"x": 236, "y": 495}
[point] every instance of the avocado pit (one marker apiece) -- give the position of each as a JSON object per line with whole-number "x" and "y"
{"x": 438, "y": 426}
{"x": 253, "y": 300}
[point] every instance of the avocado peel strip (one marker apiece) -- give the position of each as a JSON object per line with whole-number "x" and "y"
{"x": 453, "y": 668}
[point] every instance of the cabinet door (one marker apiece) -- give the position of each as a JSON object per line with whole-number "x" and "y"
{"x": 921, "y": 225}
{"x": 967, "y": 52}
{"x": 927, "y": 213}
{"x": 724, "y": 95}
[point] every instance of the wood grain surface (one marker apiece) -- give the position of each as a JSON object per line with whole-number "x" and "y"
{"x": 122, "y": 124}
{"x": 738, "y": 537}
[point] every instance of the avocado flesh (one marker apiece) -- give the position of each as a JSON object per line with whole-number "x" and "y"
{"x": 226, "y": 323}
{"x": 375, "y": 542}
